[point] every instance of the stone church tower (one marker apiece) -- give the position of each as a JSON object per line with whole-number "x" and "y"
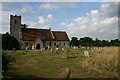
{"x": 15, "y": 26}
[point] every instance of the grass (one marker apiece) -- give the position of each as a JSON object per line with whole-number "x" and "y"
{"x": 44, "y": 64}
{"x": 103, "y": 62}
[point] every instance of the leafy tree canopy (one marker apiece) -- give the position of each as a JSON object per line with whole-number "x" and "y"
{"x": 9, "y": 42}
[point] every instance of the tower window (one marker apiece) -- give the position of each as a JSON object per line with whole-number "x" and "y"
{"x": 15, "y": 22}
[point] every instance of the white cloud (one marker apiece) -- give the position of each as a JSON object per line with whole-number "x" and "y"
{"x": 48, "y": 6}
{"x": 110, "y": 21}
{"x": 94, "y": 24}
{"x": 102, "y": 30}
{"x": 32, "y": 24}
{"x": 50, "y": 17}
{"x": 56, "y": 5}
{"x": 94, "y": 13}
{"x": 5, "y": 17}
{"x": 44, "y": 21}
{"x": 109, "y": 9}
{"x": 26, "y": 9}
{"x": 60, "y": 0}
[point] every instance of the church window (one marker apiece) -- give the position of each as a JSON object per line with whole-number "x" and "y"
{"x": 15, "y": 22}
{"x": 50, "y": 43}
{"x": 64, "y": 44}
{"x": 54, "y": 44}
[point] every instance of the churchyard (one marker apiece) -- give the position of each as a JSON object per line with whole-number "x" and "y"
{"x": 93, "y": 62}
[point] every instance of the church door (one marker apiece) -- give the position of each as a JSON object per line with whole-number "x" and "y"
{"x": 38, "y": 46}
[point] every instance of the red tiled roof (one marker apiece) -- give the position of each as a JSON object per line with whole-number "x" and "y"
{"x": 31, "y": 34}
{"x": 60, "y": 36}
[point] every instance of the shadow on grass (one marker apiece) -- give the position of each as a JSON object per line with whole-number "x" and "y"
{"x": 72, "y": 56}
{"x": 14, "y": 76}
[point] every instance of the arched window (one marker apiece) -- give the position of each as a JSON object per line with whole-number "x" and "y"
{"x": 50, "y": 43}
{"x": 54, "y": 43}
{"x": 64, "y": 44}
{"x": 15, "y": 22}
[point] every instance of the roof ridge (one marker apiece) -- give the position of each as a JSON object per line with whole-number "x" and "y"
{"x": 58, "y": 31}
{"x": 37, "y": 29}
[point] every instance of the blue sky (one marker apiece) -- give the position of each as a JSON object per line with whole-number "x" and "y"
{"x": 93, "y": 19}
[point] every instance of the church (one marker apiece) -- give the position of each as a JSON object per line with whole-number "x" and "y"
{"x": 32, "y": 38}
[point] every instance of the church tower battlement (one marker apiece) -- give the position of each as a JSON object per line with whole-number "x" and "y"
{"x": 15, "y": 26}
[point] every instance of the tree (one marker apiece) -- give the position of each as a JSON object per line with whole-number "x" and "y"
{"x": 86, "y": 41}
{"x": 74, "y": 41}
{"x": 115, "y": 42}
{"x": 105, "y": 43}
{"x": 5, "y": 61}
{"x": 97, "y": 42}
{"x": 9, "y": 42}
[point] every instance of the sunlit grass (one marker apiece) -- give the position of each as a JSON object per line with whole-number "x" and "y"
{"x": 103, "y": 62}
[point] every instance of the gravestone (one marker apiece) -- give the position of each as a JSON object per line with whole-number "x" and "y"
{"x": 56, "y": 50}
{"x": 66, "y": 51}
{"x": 62, "y": 49}
{"x": 63, "y": 74}
{"x": 86, "y": 53}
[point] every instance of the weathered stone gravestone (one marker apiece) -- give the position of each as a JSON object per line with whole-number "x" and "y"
{"x": 13, "y": 50}
{"x": 88, "y": 47}
{"x": 66, "y": 51}
{"x": 56, "y": 50}
{"x": 83, "y": 47}
{"x": 63, "y": 74}
{"x": 86, "y": 53}
{"x": 75, "y": 47}
{"x": 62, "y": 49}
{"x": 51, "y": 50}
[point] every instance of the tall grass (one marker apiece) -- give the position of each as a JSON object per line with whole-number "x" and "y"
{"x": 102, "y": 62}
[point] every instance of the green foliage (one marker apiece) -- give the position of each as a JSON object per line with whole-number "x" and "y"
{"x": 5, "y": 61}
{"x": 115, "y": 42}
{"x": 9, "y": 42}
{"x": 88, "y": 42}
{"x": 74, "y": 41}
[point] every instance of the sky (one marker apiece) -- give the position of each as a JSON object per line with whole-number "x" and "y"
{"x": 78, "y": 19}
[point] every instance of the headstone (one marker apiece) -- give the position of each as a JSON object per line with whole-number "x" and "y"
{"x": 51, "y": 50}
{"x": 66, "y": 51}
{"x": 83, "y": 47}
{"x": 74, "y": 47}
{"x": 13, "y": 50}
{"x": 77, "y": 47}
{"x": 86, "y": 53}
{"x": 87, "y": 47}
{"x": 41, "y": 49}
{"x": 63, "y": 74}
{"x": 62, "y": 49}
{"x": 32, "y": 47}
{"x": 56, "y": 50}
